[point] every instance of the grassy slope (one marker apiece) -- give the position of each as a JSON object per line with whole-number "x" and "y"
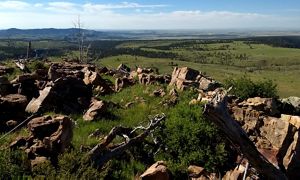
{"x": 286, "y": 78}
{"x": 264, "y": 62}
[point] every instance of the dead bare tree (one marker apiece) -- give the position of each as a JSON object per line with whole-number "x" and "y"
{"x": 101, "y": 153}
{"x": 216, "y": 111}
{"x": 79, "y": 36}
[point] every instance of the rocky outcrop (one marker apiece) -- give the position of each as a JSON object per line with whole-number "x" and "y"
{"x": 12, "y": 108}
{"x": 267, "y": 106}
{"x": 184, "y": 78}
{"x": 26, "y": 85}
{"x": 49, "y": 137}
{"x": 67, "y": 94}
{"x": 99, "y": 85}
{"x": 123, "y": 82}
{"x": 95, "y": 111}
{"x": 291, "y": 105}
{"x": 59, "y": 70}
{"x": 5, "y": 70}
{"x": 157, "y": 171}
{"x": 123, "y": 68}
{"x": 5, "y": 86}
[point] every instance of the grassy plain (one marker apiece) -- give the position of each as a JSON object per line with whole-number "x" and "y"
{"x": 282, "y": 65}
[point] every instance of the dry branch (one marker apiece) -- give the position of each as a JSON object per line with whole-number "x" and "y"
{"x": 101, "y": 154}
{"x": 216, "y": 111}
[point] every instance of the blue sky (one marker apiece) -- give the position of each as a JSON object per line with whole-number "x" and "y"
{"x": 152, "y": 14}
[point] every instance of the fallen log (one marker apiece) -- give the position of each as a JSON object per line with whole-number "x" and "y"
{"x": 216, "y": 111}
{"x": 101, "y": 154}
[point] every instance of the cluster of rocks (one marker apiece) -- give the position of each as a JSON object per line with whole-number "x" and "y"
{"x": 272, "y": 124}
{"x": 5, "y": 70}
{"x": 64, "y": 87}
{"x": 49, "y": 136}
{"x": 273, "y": 130}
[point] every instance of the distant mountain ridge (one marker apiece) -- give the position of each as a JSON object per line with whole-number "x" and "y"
{"x": 70, "y": 33}
{"x": 46, "y": 33}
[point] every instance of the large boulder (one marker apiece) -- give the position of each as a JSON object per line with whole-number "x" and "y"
{"x": 12, "y": 110}
{"x": 68, "y": 95}
{"x": 184, "y": 78}
{"x": 13, "y": 103}
{"x": 50, "y": 136}
{"x": 92, "y": 78}
{"x": 158, "y": 171}
{"x": 26, "y": 85}
{"x": 5, "y": 86}
{"x": 58, "y": 70}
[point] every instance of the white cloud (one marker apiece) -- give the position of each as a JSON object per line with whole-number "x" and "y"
{"x": 17, "y": 5}
{"x": 38, "y": 5}
{"x": 141, "y": 16}
{"x": 62, "y": 6}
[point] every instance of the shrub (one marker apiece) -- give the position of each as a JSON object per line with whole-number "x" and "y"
{"x": 13, "y": 164}
{"x": 37, "y": 65}
{"x": 244, "y": 88}
{"x": 189, "y": 139}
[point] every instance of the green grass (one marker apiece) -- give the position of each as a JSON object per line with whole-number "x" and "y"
{"x": 129, "y": 117}
{"x": 287, "y": 78}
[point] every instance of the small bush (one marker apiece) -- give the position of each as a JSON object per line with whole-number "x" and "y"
{"x": 37, "y": 65}
{"x": 189, "y": 139}
{"x": 13, "y": 164}
{"x": 244, "y": 88}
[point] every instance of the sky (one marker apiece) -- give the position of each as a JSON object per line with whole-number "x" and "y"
{"x": 152, "y": 14}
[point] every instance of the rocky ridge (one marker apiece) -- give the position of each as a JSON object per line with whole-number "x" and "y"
{"x": 271, "y": 124}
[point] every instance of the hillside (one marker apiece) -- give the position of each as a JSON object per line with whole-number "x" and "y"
{"x": 95, "y": 122}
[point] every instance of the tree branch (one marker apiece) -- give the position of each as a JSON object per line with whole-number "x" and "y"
{"x": 101, "y": 154}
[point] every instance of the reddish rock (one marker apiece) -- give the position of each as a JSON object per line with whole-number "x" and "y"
{"x": 157, "y": 171}
{"x": 96, "y": 110}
